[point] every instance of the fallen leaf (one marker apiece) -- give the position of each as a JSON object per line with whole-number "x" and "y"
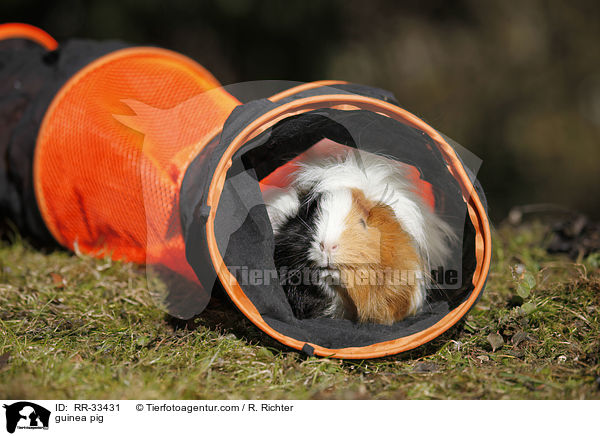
{"x": 424, "y": 367}
{"x": 519, "y": 337}
{"x": 58, "y": 280}
{"x": 495, "y": 341}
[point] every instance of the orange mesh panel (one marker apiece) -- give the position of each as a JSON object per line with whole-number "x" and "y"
{"x": 27, "y": 31}
{"x": 113, "y": 149}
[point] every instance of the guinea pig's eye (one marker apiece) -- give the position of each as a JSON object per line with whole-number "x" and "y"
{"x": 363, "y": 223}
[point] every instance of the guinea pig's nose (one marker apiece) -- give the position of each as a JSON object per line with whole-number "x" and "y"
{"x": 328, "y": 247}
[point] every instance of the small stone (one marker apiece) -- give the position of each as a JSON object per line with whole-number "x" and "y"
{"x": 515, "y": 216}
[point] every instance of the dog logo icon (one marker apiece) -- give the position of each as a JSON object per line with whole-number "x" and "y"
{"x": 26, "y": 415}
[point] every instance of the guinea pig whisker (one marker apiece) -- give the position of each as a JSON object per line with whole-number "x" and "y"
{"x": 304, "y": 223}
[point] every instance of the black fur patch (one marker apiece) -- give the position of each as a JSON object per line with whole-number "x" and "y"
{"x": 299, "y": 276}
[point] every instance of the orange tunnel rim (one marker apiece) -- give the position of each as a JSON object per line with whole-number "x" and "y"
{"x": 475, "y": 207}
{"x": 27, "y": 31}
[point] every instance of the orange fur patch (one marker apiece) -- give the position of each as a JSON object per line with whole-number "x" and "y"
{"x": 378, "y": 263}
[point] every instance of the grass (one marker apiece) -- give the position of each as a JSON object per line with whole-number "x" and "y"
{"x": 76, "y": 327}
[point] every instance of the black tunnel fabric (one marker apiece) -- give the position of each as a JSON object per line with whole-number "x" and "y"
{"x": 246, "y": 241}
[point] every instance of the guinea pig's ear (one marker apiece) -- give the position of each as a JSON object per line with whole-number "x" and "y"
{"x": 380, "y": 215}
{"x": 361, "y": 214}
{"x": 361, "y": 207}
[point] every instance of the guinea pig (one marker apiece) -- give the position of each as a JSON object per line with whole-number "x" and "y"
{"x": 354, "y": 223}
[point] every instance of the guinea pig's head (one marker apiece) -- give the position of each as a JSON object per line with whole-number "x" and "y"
{"x": 380, "y": 269}
{"x": 353, "y": 231}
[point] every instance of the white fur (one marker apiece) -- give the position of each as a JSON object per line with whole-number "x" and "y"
{"x": 331, "y": 214}
{"x": 378, "y": 177}
{"x": 281, "y": 205}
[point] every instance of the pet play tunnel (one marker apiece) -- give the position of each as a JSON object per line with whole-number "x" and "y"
{"x": 139, "y": 153}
